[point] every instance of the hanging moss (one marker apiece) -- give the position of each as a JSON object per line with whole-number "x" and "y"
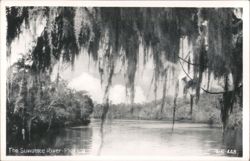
{"x": 109, "y": 34}
{"x": 219, "y": 40}
{"x": 15, "y": 18}
{"x": 63, "y": 37}
{"x": 41, "y": 54}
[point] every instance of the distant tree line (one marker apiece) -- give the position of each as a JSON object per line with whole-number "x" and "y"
{"x": 206, "y": 111}
{"x": 112, "y": 35}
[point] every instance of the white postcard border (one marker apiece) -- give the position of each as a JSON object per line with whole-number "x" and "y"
{"x": 243, "y": 4}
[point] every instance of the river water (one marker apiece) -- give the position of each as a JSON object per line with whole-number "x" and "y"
{"x": 134, "y": 138}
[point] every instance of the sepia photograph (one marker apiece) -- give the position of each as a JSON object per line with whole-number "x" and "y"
{"x": 124, "y": 80}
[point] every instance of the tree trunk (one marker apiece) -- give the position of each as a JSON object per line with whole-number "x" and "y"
{"x": 29, "y": 123}
{"x": 164, "y": 91}
{"x": 175, "y": 103}
{"x": 191, "y": 105}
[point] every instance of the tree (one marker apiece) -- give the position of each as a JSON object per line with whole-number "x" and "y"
{"x": 36, "y": 103}
{"x": 113, "y": 34}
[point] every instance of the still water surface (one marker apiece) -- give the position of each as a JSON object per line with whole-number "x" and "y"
{"x": 126, "y": 137}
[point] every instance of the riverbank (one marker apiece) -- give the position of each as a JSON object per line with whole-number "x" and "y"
{"x": 164, "y": 123}
{"x": 205, "y": 111}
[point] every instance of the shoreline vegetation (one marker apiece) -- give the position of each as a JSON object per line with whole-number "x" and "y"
{"x": 34, "y": 109}
{"x": 194, "y": 41}
{"x": 206, "y": 111}
{"x": 58, "y": 106}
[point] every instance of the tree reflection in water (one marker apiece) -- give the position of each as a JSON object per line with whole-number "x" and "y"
{"x": 56, "y": 142}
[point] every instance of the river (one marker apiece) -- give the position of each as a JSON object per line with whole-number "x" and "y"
{"x": 134, "y": 138}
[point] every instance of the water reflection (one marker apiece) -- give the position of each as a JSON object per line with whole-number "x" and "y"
{"x": 68, "y": 141}
{"x": 153, "y": 138}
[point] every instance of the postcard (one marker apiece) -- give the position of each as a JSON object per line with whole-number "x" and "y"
{"x": 124, "y": 80}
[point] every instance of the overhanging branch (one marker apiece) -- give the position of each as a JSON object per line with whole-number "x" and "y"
{"x": 190, "y": 62}
{"x": 221, "y": 92}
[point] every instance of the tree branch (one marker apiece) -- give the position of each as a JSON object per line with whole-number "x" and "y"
{"x": 222, "y": 92}
{"x": 189, "y": 62}
{"x": 187, "y": 55}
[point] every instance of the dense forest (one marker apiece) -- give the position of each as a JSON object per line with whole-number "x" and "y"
{"x": 112, "y": 35}
{"x": 36, "y": 104}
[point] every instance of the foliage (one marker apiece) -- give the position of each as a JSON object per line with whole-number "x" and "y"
{"x": 206, "y": 111}
{"x": 37, "y": 103}
{"x": 113, "y": 34}
{"x": 15, "y": 16}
